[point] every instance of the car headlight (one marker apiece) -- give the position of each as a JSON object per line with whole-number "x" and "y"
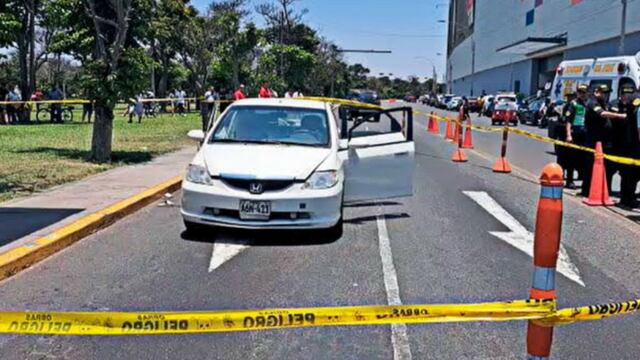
{"x": 199, "y": 175}
{"x": 322, "y": 180}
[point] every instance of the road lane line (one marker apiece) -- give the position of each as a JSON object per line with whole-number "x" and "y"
{"x": 399, "y": 337}
{"x": 519, "y": 237}
{"x": 225, "y": 251}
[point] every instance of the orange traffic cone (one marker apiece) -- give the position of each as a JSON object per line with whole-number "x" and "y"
{"x": 436, "y": 124}
{"x": 448, "y": 134}
{"x": 456, "y": 133}
{"x": 430, "y": 123}
{"x": 502, "y": 166}
{"x": 459, "y": 156}
{"x": 467, "y": 143}
{"x": 599, "y": 191}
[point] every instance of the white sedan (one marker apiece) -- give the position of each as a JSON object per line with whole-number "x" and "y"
{"x": 292, "y": 164}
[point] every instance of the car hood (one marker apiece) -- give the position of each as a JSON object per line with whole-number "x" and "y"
{"x": 263, "y": 161}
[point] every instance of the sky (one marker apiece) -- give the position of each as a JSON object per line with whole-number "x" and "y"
{"x": 409, "y": 28}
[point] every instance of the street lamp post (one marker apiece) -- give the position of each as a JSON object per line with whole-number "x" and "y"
{"x": 623, "y": 27}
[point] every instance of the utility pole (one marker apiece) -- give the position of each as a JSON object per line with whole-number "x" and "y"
{"x": 473, "y": 61}
{"x": 623, "y": 27}
{"x": 434, "y": 85}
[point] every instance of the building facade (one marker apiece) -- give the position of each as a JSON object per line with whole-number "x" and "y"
{"x": 516, "y": 45}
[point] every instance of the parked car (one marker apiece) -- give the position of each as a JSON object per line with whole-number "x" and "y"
{"x": 455, "y": 103}
{"x": 529, "y": 112}
{"x": 365, "y": 96}
{"x": 505, "y": 111}
{"x": 444, "y": 102}
{"x": 487, "y": 105}
{"x": 288, "y": 164}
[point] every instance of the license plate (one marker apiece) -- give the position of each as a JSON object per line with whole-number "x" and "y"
{"x": 255, "y": 210}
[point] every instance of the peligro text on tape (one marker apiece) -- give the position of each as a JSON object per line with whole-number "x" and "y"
{"x": 126, "y": 323}
{"x": 590, "y": 313}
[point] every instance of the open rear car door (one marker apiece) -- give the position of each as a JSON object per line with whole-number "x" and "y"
{"x": 379, "y": 157}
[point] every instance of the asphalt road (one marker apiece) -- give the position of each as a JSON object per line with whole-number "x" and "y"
{"x": 441, "y": 251}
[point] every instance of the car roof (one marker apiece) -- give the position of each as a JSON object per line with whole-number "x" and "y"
{"x": 282, "y": 102}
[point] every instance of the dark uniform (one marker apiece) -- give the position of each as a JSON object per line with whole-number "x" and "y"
{"x": 575, "y": 114}
{"x": 598, "y": 129}
{"x": 563, "y": 154}
{"x": 626, "y": 143}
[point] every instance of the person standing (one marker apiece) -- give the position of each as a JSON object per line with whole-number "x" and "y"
{"x": 576, "y": 133}
{"x": 36, "y": 97}
{"x": 265, "y": 91}
{"x": 598, "y": 123}
{"x": 207, "y": 108}
{"x": 3, "y": 107}
{"x": 626, "y": 143}
{"x": 56, "y": 109}
{"x": 137, "y": 108}
{"x": 566, "y": 156}
{"x": 13, "y": 109}
{"x": 180, "y": 96}
{"x": 239, "y": 94}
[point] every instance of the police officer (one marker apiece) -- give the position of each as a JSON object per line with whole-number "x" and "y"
{"x": 599, "y": 125}
{"x": 565, "y": 155}
{"x": 575, "y": 118}
{"x": 626, "y": 143}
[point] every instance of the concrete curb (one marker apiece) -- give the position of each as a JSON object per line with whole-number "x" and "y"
{"x": 20, "y": 258}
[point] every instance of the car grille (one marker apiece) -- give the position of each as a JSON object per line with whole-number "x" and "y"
{"x": 267, "y": 185}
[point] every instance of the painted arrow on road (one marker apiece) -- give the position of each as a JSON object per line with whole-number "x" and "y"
{"x": 224, "y": 251}
{"x": 519, "y": 237}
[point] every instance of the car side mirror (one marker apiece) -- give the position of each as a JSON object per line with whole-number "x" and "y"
{"x": 197, "y": 135}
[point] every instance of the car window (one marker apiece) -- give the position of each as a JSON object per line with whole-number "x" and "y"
{"x": 273, "y": 125}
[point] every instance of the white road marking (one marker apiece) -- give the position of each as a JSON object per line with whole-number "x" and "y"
{"x": 225, "y": 251}
{"x": 399, "y": 337}
{"x": 519, "y": 237}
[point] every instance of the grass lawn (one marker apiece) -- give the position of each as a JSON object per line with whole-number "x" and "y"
{"x": 38, "y": 156}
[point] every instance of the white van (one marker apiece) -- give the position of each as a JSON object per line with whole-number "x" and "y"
{"x": 610, "y": 71}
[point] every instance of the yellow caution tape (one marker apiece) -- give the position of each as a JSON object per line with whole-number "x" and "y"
{"x": 66, "y": 101}
{"x": 147, "y": 323}
{"x": 340, "y": 102}
{"x": 590, "y": 313}
{"x": 155, "y": 323}
{"x": 530, "y": 135}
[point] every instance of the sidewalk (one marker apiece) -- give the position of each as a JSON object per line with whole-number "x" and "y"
{"x": 27, "y": 219}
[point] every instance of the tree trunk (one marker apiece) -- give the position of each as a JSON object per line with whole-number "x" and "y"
{"x": 235, "y": 73}
{"x": 31, "y": 38}
{"x": 102, "y": 133}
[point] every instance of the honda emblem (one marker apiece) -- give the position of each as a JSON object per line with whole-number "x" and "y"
{"x": 256, "y": 188}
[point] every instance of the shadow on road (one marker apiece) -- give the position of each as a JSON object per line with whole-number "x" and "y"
{"x": 261, "y": 238}
{"x": 18, "y": 222}
{"x": 125, "y": 157}
{"x": 372, "y": 204}
{"x": 364, "y": 219}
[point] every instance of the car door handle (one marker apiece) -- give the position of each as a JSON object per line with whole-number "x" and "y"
{"x": 405, "y": 153}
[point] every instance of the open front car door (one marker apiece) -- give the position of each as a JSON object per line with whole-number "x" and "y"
{"x": 379, "y": 158}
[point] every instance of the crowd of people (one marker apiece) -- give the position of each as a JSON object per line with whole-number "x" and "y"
{"x": 14, "y": 109}
{"x": 587, "y": 119}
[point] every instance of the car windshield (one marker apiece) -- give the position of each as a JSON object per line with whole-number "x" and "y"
{"x": 505, "y": 105}
{"x": 273, "y": 125}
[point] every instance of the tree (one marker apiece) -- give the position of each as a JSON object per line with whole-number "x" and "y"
{"x": 236, "y": 41}
{"x": 168, "y": 19}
